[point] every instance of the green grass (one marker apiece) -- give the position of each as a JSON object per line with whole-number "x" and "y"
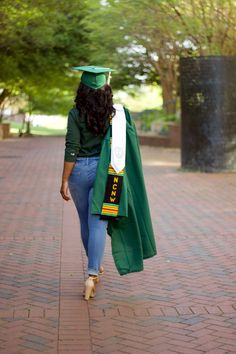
{"x": 15, "y": 127}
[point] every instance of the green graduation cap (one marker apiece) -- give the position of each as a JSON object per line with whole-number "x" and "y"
{"x": 94, "y": 76}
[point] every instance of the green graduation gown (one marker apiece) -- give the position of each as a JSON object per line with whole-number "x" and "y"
{"x": 132, "y": 237}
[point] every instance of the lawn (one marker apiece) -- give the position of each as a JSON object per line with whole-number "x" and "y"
{"x": 43, "y": 129}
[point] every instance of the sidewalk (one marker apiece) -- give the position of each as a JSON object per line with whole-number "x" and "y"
{"x": 184, "y": 301}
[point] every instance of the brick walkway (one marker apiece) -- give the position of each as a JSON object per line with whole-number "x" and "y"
{"x": 183, "y": 302}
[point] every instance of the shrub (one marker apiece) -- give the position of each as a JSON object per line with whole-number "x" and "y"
{"x": 147, "y": 117}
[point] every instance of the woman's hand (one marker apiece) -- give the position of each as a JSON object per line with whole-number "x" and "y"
{"x": 65, "y": 190}
{"x": 68, "y": 167}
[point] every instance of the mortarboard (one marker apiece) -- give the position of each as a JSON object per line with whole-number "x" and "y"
{"x": 94, "y": 76}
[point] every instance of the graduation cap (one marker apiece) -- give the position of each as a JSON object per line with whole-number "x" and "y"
{"x": 94, "y": 76}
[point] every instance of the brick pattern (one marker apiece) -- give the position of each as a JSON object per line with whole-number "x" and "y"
{"x": 74, "y": 328}
{"x": 30, "y": 245}
{"x": 183, "y": 302}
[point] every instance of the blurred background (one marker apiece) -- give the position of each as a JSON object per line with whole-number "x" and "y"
{"x": 142, "y": 40}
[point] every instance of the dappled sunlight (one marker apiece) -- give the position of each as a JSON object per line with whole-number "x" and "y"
{"x": 41, "y": 124}
{"x": 140, "y": 98}
{"x": 50, "y": 122}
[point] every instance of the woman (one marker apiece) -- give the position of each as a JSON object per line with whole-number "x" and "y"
{"x": 103, "y": 172}
{"x": 88, "y": 122}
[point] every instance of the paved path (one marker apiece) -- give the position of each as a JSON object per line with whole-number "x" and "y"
{"x": 183, "y": 302}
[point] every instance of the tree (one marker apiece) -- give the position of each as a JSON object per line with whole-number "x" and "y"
{"x": 38, "y": 44}
{"x": 208, "y": 25}
{"x": 148, "y": 37}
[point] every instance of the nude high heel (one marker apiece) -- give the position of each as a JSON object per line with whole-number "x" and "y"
{"x": 90, "y": 290}
{"x": 101, "y": 270}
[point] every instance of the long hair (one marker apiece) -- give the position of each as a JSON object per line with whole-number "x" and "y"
{"x": 96, "y": 105}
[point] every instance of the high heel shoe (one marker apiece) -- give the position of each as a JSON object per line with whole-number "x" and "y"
{"x": 90, "y": 290}
{"x": 101, "y": 270}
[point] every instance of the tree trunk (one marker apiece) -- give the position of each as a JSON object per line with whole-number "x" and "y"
{"x": 4, "y": 94}
{"x": 167, "y": 69}
{"x": 28, "y": 128}
{"x": 168, "y": 78}
{"x": 28, "y": 116}
{"x": 169, "y": 97}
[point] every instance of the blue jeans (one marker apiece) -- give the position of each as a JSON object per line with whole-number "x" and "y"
{"x": 93, "y": 229}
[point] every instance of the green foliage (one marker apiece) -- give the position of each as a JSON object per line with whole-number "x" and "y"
{"x": 56, "y": 100}
{"x": 39, "y": 42}
{"x": 144, "y": 39}
{"x": 148, "y": 117}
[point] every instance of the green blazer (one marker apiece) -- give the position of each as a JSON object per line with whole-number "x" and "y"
{"x": 132, "y": 237}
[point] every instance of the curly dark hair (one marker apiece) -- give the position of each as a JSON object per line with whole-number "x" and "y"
{"x": 96, "y": 105}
